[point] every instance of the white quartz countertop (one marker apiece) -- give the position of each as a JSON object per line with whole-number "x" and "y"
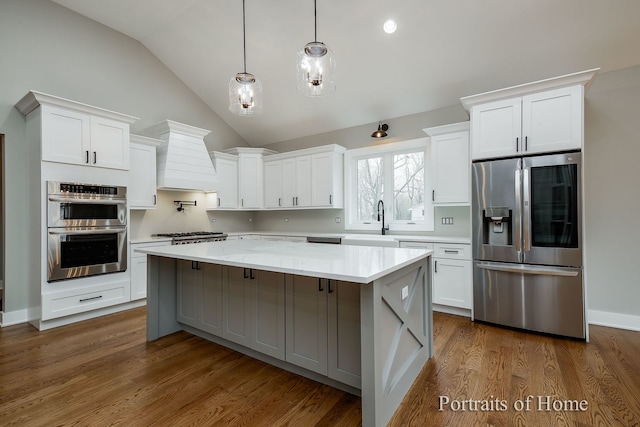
{"x": 360, "y": 264}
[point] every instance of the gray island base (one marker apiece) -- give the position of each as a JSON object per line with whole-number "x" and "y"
{"x": 354, "y": 317}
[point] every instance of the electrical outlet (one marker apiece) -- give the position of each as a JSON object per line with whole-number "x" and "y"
{"x": 338, "y": 220}
{"x": 447, "y": 220}
{"x": 405, "y": 293}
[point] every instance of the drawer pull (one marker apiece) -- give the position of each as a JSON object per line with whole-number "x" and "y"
{"x": 90, "y": 299}
{"x": 446, "y": 251}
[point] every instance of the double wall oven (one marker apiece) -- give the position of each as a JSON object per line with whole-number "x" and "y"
{"x": 86, "y": 228}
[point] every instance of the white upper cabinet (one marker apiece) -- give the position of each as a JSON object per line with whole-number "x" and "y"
{"x": 79, "y": 134}
{"x": 227, "y": 169}
{"x": 241, "y": 177}
{"x": 450, "y": 166}
{"x": 327, "y": 180}
{"x": 142, "y": 190}
{"x": 540, "y": 117}
{"x": 309, "y": 178}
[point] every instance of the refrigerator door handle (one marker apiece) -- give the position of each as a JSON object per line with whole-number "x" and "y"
{"x": 526, "y": 215}
{"x": 517, "y": 232}
{"x": 528, "y": 269}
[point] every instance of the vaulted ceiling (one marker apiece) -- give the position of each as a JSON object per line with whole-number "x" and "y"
{"x": 441, "y": 51}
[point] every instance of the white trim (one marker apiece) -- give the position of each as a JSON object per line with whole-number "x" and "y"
{"x": 614, "y": 320}
{"x": 350, "y": 156}
{"x": 9, "y": 318}
{"x": 464, "y": 312}
{"x": 582, "y": 77}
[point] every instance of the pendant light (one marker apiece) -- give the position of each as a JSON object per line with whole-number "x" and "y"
{"x": 245, "y": 91}
{"x": 316, "y": 66}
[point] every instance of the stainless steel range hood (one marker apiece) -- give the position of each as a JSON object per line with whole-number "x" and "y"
{"x": 183, "y": 160}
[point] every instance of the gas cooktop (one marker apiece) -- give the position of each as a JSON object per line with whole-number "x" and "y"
{"x": 182, "y": 238}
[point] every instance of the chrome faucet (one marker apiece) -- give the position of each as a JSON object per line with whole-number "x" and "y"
{"x": 381, "y": 212}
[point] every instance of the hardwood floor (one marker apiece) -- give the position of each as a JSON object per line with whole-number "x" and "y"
{"x": 103, "y": 372}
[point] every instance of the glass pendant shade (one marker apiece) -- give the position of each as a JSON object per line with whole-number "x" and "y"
{"x": 245, "y": 95}
{"x": 316, "y": 70}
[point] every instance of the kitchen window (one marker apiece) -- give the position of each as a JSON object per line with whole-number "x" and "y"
{"x": 396, "y": 174}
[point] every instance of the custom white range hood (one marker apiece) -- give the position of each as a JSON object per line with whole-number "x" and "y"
{"x": 183, "y": 160}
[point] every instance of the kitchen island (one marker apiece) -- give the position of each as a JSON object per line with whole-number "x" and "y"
{"x": 355, "y": 317}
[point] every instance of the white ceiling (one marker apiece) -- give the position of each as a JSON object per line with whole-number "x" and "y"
{"x": 442, "y": 50}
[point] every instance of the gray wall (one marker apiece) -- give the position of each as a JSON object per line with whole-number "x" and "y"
{"x": 48, "y": 48}
{"x": 612, "y": 163}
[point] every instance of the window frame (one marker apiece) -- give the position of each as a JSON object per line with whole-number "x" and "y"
{"x": 351, "y": 157}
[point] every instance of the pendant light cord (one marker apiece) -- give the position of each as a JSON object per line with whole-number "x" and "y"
{"x": 315, "y": 22}
{"x": 244, "y": 39}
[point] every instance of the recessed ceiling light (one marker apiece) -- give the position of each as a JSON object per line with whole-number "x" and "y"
{"x": 390, "y": 26}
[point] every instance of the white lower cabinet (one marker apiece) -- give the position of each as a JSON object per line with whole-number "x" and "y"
{"x": 452, "y": 276}
{"x": 138, "y": 267}
{"x": 323, "y": 327}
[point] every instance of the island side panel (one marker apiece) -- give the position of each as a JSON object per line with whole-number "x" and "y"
{"x": 396, "y": 338}
{"x": 161, "y": 297}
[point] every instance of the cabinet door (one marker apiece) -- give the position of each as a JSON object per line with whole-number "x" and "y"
{"x": 228, "y": 183}
{"x": 552, "y": 120}
{"x": 306, "y": 338}
{"x": 65, "y": 136}
{"x": 303, "y": 181}
{"x": 496, "y": 128}
{"x": 268, "y": 313}
{"x": 138, "y": 277}
{"x": 189, "y": 291}
{"x": 142, "y": 192}
{"x": 450, "y": 166}
{"x": 109, "y": 143}
{"x": 289, "y": 179}
{"x": 452, "y": 282}
{"x": 250, "y": 181}
{"x": 273, "y": 184}
{"x": 321, "y": 180}
{"x": 344, "y": 332}
{"x": 237, "y": 306}
{"x": 211, "y": 311}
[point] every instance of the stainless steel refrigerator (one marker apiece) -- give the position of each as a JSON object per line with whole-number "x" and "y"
{"x": 527, "y": 243}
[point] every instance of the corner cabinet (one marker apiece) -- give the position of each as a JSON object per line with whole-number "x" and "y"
{"x": 80, "y": 134}
{"x": 142, "y": 191}
{"x": 241, "y": 174}
{"x": 450, "y": 165}
{"x": 309, "y": 178}
{"x": 540, "y": 117}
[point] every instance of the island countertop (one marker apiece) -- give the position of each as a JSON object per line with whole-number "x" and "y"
{"x": 359, "y": 264}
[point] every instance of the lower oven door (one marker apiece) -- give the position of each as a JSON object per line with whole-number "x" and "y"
{"x": 85, "y": 251}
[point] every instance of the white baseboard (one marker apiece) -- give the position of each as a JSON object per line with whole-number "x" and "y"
{"x": 22, "y": 316}
{"x": 452, "y": 310}
{"x": 8, "y": 318}
{"x": 614, "y": 320}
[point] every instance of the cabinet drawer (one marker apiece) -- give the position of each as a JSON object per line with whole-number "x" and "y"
{"x": 452, "y": 251}
{"x": 66, "y": 303}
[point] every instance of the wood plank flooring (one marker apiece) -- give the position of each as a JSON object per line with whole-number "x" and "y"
{"x": 102, "y": 372}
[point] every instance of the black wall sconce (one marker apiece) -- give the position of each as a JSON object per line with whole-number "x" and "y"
{"x": 382, "y": 130}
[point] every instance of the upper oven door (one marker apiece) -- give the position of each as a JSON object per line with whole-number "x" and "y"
{"x": 85, "y": 205}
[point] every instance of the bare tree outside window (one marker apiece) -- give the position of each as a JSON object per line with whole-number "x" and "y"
{"x": 408, "y": 182}
{"x": 370, "y": 182}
